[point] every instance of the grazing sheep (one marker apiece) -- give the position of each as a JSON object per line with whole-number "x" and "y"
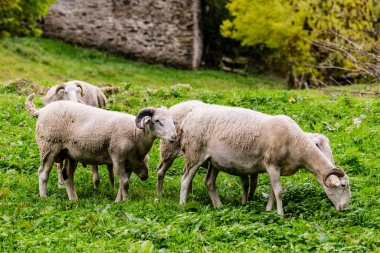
{"x": 170, "y": 151}
{"x": 95, "y": 136}
{"x": 243, "y": 142}
{"x": 85, "y": 93}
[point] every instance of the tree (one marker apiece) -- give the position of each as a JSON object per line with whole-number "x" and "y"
{"x": 289, "y": 28}
{"x": 20, "y": 17}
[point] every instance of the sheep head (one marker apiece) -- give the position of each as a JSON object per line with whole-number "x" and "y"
{"x": 337, "y": 188}
{"x": 158, "y": 121}
{"x": 70, "y": 91}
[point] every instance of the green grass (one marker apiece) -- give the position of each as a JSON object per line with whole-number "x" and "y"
{"x": 48, "y": 62}
{"x": 143, "y": 224}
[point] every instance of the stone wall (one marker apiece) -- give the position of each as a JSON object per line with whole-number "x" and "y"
{"x": 158, "y": 31}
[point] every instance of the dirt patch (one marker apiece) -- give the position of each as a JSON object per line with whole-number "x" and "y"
{"x": 181, "y": 86}
{"x": 24, "y": 86}
{"x": 109, "y": 90}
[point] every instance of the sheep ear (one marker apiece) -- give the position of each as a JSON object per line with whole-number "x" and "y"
{"x": 143, "y": 122}
{"x": 144, "y": 116}
{"x": 59, "y": 88}
{"x": 146, "y": 120}
{"x": 333, "y": 180}
{"x": 332, "y": 176}
{"x": 81, "y": 88}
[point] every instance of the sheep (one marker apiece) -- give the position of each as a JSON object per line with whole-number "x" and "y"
{"x": 170, "y": 151}
{"x": 85, "y": 93}
{"x": 96, "y": 136}
{"x": 243, "y": 142}
{"x": 76, "y": 91}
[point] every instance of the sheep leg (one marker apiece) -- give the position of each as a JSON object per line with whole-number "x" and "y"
{"x": 270, "y": 200}
{"x": 162, "y": 169}
{"x": 187, "y": 179}
{"x": 43, "y": 174}
{"x": 253, "y": 185}
{"x": 111, "y": 176}
{"x": 274, "y": 177}
{"x": 119, "y": 196}
{"x": 190, "y": 189}
{"x": 245, "y": 187}
{"x": 61, "y": 183}
{"x": 95, "y": 176}
{"x": 124, "y": 175}
{"x": 68, "y": 174}
{"x": 211, "y": 176}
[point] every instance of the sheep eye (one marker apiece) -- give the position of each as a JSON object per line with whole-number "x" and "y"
{"x": 157, "y": 121}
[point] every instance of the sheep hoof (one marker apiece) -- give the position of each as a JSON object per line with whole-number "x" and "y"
{"x": 73, "y": 198}
{"x": 218, "y": 205}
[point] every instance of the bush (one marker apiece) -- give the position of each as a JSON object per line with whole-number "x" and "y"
{"x": 285, "y": 30}
{"x": 20, "y": 17}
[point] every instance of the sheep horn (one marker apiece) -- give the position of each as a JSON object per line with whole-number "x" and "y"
{"x": 144, "y": 112}
{"x": 337, "y": 171}
{"x": 81, "y": 88}
{"x": 59, "y": 87}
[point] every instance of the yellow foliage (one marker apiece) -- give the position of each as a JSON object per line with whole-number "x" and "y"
{"x": 288, "y": 27}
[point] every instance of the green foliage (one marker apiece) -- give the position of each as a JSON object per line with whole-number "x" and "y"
{"x": 20, "y": 17}
{"x": 288, "y": 28}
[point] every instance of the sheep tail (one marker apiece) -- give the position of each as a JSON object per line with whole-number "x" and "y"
{"x": 29, "y": 106}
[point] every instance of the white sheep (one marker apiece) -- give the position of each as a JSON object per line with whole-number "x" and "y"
{"x": 170, "y": 151}
{"x": 243, "y": 142}
{"x": 91, "y": 135}
{"x": 76, "y": 91}
{"x": 85, "y": 93}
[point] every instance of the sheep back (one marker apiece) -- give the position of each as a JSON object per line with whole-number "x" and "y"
{"x": 238, "y": 137}
{"x": 65, "y": 124}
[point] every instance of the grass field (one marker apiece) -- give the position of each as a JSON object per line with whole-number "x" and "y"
{"x": 143, "y": 224}
{"x": 50, "y": 61}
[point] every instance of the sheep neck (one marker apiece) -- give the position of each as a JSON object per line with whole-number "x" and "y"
{"x": 317, "y": 163}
